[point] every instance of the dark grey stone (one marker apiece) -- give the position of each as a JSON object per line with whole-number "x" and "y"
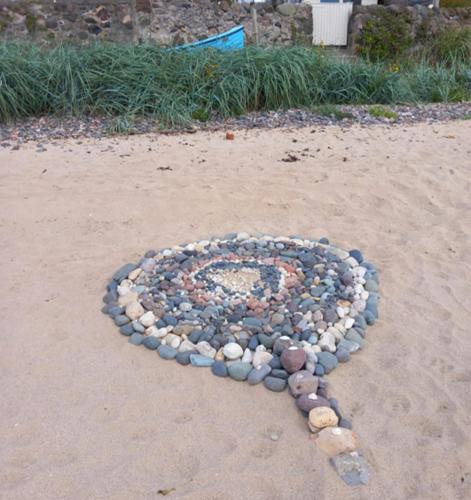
{"x": 123, "y": 272}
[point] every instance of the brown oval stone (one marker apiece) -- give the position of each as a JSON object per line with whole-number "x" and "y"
{"x": 336, "y": 440}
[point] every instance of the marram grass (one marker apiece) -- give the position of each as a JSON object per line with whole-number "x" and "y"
{"x": 177, "y": 87}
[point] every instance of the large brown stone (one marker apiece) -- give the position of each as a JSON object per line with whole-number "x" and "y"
{"x": 336, "y": 440}
{"x": 293, "y": 359}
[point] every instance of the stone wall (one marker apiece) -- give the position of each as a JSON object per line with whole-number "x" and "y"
{"x": 77, "y": 20}
{"x": 165, "y": 22}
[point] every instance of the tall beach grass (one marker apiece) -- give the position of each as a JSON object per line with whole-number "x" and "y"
{"x": 176, "y": 87}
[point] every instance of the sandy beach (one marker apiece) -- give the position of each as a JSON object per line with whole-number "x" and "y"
{"x": 87, "y": 415}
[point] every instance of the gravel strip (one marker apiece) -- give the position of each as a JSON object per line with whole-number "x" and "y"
{"x": 46, "y": 129}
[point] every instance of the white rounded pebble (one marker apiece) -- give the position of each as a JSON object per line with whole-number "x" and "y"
{"x": 233, "y": 351}
{"x": 147, "y": 319}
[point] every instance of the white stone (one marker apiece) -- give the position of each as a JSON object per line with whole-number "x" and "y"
{"x": 340, "y": 312}
{"x": 134, "y": 310}
{"x": 124, "y": 287}
{"x": 261, "y": 358}
{"x": 233, "y": 351}
{"x": 361, "y": 271}
{"x": 205, "y": 349}
{"x": 349, "y": 322}
{"x": 147, "y": 319}
{"x": 351, "y": 261}
{"x": 185, "y": 307}
{"x": 327, "y": 342}
{"x": 172, "y": 340}
{"x": 156, "y": 332}
{"x": 359, "y": 305}
{"x": 127, "y": 299}
{"x": 186, "y": 345}
{"x": 248, "y": 356}
{"x": 242, "y": 236}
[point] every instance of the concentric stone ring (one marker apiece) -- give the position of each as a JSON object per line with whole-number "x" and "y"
{"x": 279, "y": 310}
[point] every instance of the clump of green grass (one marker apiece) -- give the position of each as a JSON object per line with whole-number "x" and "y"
{"x": 452, "y": 46}
{"x": 177, "y": 87}
{"x": 121, "y": 125}
{"x": 382, "y": 112}
{"x": 332, "y": 111}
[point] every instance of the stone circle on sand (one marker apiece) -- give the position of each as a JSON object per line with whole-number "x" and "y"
{"x": 280, "y": 311}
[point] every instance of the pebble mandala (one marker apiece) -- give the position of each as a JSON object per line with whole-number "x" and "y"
{"x": 274, "y": 310}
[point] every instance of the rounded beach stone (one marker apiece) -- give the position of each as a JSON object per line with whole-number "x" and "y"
{"x": 134, "y": 310}
{"x": 258, "y": 374}
{"x": 293, "y": 359}
{"x": 342, "y": 355}
{"x": 199, "y": 360}
{"x": 261, "y": 358}
{"x": 302, "y": 382}
{"x": 121, "y": 320}
{"x": 167, "y": 352}
{"x": 239, "y": 371}
{"x": 275, "y": 384}
{"x": 219, "y": 369}
{"x": 147, "y": 319}
{"x": 205, "y": 349}
{"x": 151, "y": 343}
{"x": 327, "y": 360}
{"x": 357, "y": 255}
{"x": 321, "y": 417}
{"x": 136, "y": 338}
{"x": 183, "y": 357}
{"x": 232, "y": 351}
{"x": 127, "y": 329}
{"x": 336, "y": 440}
{"x": 279, "y": 373}
{"x": 306, "y": 402}
{"x": 345, "y": 423}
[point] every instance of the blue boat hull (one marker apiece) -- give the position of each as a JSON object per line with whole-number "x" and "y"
{"x": 233, "y": 39}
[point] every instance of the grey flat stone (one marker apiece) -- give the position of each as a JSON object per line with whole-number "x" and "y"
{"x": 352, "y": 468}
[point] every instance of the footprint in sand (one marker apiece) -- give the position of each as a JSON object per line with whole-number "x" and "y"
{"x": 280, "y": 311}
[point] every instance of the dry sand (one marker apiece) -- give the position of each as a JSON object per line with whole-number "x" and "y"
{"x": 86, "y": 415}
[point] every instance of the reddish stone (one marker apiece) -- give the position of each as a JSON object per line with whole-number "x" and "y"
{"x": 253, "y": 303}
{"x": 293, "y": 360}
